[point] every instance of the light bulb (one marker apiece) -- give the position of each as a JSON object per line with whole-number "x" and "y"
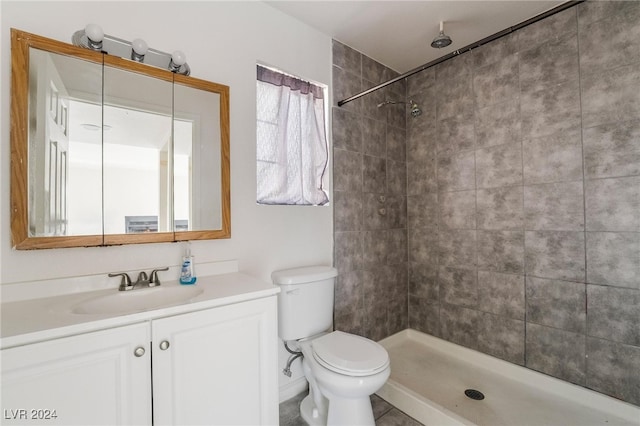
{"x": 94, "y": 32}
{"x": 178, "y": 58}
{"x": 94, "y": 35}
{"x": 139, "y": 46}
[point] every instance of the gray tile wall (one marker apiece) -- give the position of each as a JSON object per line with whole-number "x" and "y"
{"x": 369, "y": 182}
{"x": 523, "y": 198}
{"x": 518, "y": 231}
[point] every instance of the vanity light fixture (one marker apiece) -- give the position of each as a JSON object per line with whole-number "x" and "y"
{"x": 92, "y": 37}
{"x": 178, "y": 59}
{"x": 139, "y": 48}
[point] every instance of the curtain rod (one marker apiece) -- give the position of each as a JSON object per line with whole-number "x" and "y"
{"x": 467, "y": 48}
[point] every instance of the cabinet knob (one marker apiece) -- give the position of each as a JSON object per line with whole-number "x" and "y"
{"x": 139, "y": 351}
{"x": 164, "y": 345}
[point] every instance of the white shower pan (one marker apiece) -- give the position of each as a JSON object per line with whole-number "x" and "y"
{"x": 429, "y": 377}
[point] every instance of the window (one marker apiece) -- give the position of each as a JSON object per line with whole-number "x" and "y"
{"x": 292, "y": 150}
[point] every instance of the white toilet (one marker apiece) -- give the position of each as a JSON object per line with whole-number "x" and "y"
{"x": 342, "y": 369}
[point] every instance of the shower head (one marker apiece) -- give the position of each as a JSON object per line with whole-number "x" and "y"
{"x": 441, "y": 40}
{"x": 414, "y": 108}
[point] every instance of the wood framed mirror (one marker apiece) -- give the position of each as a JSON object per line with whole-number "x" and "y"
{"x": 108, "y": 151}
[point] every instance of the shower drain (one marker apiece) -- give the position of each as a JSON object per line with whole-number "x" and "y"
{"x": 474, "y": 394}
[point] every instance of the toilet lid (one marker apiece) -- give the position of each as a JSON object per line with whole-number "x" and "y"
{"x": 350, "y": 354}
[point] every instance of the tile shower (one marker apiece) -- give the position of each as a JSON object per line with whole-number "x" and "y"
{"x": 505, "y": 218}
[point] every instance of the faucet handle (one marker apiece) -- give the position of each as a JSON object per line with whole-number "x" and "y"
{"x": 125, "y": 282}
{"x": 154, "y": 280}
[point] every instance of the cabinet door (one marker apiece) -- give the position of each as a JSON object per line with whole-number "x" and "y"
{"x": 220, "y": 366}
{"x": 89, "y": 379}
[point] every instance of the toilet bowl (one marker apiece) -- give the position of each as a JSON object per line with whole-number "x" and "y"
{"x": 343, "y": 370}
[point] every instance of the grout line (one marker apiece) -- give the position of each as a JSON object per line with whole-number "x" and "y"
{"x": 524, "y": 243}
{"x": 436, "y": 157}
{"x": 472, "y": 74}
{"x": 584, "y": 203}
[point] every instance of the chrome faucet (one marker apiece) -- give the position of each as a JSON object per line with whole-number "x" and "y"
{"x": 143, "y": 279}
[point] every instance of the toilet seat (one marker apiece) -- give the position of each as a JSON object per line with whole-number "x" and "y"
{"x": 349, "y": 354}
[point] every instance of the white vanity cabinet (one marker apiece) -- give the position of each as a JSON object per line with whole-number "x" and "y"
{"x": 97, "y": 378}
{"x": 215, "y": 366}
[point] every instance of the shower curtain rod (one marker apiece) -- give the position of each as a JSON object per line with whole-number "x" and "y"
{"x": 467, "y": 48}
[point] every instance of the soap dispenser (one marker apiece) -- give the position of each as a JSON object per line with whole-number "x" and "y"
{"x": 187, "y": 273}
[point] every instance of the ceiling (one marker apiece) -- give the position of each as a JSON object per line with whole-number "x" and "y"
{"x": 398, "y": 34}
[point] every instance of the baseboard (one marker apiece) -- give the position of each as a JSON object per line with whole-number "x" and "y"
{"x": 293, "y": 388}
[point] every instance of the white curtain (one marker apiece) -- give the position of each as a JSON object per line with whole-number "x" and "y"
{"x": 292, "y": 151}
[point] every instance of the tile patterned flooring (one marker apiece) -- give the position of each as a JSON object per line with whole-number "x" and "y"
{"x": 384, "y": 413}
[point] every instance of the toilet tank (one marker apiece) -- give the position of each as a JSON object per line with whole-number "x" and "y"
{"x": 305, "y": 301}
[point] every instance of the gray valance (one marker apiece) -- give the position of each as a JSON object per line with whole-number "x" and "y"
{"x": 276, "y": 78}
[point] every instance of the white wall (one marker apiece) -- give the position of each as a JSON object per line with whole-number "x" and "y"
{"x": 222, "y": 41}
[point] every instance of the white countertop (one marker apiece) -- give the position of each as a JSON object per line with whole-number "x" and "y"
{"x": 35, "y": 320}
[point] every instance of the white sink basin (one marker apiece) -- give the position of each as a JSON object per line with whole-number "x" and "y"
{"x": 138, "y": 300}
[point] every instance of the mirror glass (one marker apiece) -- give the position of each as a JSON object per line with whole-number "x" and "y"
{"x": 137, "y": 146}
{"x": 65, "y": 145}
{"x": 197, "y": 191}
{"x": 106, "y": 151}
